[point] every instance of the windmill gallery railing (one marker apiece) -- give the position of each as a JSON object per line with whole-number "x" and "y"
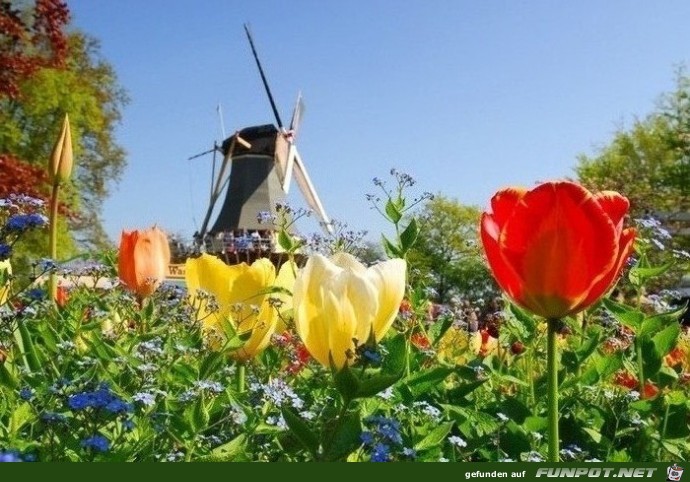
{"x": 233, "y": 247}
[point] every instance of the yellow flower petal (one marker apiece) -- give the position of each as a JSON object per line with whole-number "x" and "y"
{"x": 389, "y": 279}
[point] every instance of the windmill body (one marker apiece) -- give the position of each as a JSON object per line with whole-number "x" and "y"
{"x": 254, "y": 184}
{"x": 258, "y": 166}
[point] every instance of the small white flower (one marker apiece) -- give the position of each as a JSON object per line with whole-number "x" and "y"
{"x": 457, "y": 441}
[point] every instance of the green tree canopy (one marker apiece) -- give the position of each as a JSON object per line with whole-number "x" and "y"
{"x": 447, "y": 256}
{"x": 85, "y": 86}
{"x": 649, "y": 162}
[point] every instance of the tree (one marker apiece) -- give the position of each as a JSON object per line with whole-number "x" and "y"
{"x": 447, "y": 256}
{"x": 30, "y": 40}
{"x": 80, "y": 83}
{"x": 650, "y": 164}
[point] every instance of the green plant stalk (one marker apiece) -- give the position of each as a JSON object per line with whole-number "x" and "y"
{"x": 638, "y": 347}
{"x": 52, "y": 281}
{"x": 240, "y": 377}
{"x": 530, "y": 377}
{"x": 640, "y": 366}
{"x": 552, "y": 382}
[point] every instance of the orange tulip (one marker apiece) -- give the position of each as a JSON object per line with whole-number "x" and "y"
{"x": 556, "y": 249}
{"x": 143, "y": 260}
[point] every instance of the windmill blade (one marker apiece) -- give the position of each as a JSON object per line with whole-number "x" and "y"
{"x": 297, "y": 114}
{"x": 289, "y": 167}
{"x": 215, "y": 193}
{"x": 222, "y": 179}
{"x": 309, "y": 192}
{"x": 263, "y": 78}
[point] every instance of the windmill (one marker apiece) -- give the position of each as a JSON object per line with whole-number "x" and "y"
{"x": 257, "y": 169}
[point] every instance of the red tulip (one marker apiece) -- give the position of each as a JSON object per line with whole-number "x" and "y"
{"x": 143, "y": 260}
{"x": 556, "y": 249}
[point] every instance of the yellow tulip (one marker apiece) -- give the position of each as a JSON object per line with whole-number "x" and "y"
{"x": 5, "y": 273}
{"x": 61, "y": 159}
{"x": 339, "y": 300}
{"x": 241, "y": 293}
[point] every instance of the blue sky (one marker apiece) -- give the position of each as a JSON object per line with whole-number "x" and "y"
{"x": 466, "y": 96}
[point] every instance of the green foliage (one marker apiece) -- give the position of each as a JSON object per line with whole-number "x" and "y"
{"x": 87, "y": 89}
{"x": 650, "y": 163}
{"x": 447, "y": 256}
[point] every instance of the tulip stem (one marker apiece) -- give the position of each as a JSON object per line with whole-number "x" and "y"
{"x": 552, "y": 382}
{"x": 640, "y": 366}
{"x": 240, "y": 377}
{"x": 52, "y": 280}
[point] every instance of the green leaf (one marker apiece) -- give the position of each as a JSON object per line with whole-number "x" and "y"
{"x": 639, "y": 275}
{"x": 674, "y": 449}
{"x": 229, "y": 451}
{"x": 535, "y": 424}
{"x": 409, "y": 236}
{"x": 649, "y": 326}
{"x": 7, "y": 378}
{"x": 396, "y": 359}
{"x": 300, "y": 430}
{"x": 435, "y": 437}
{"x": 527, "y": 321}
{"x": 666, "y": 339}
{"x": 285, "y": 241}
{"x": 26, "y": 345}
{"x": 512, "y": 379}
{"x": 376, "y": 384}
{"x": 624, "y": 314}
{"x": 651, "y": 360}
{"x": 346, "y": 438}
{"x": 147, "y": 310}
{"x": 391, "y": 250}
{"x": 607, "y": 365}
{"x": 439, "y": 328}
{"x": 659, "y": 321}
{"x": 347, "y": 383}
{"x": 393, "y": 212}
{"x": 425, "y": 381}
{"x": 20, "y": 416}
{"x": 594, "y": 434}
{"x": 211, "y": 364}
{"x": 200, "y": 415}
{"x": 465, "y": 389}
{"x": 514, "y": 409}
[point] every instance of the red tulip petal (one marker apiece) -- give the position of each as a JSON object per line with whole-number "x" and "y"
{"x": 559, "y": 241}
{"x": 504, "y": 274}
{"x": 599, "y": 288}
{"x": 503, "y": 203}
{"x": 615, "y": 205}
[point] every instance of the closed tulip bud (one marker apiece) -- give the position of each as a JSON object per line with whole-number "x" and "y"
{"x": 558, "y": 248}
{"x": 339, "y": 300}
{"x": 143, "y": 260}
{"x": 61, "y": 159}
{"x": 243, "y": 297}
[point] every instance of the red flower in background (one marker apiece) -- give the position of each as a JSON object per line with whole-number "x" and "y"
{"x": 675, "y": 357}
{"x": 62, "y": 296}
{"x": 625, "y": 379}
{"x": 650, "y": 390}
{"x": 420, "y": 340}
{"x": 556, "y": 249}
